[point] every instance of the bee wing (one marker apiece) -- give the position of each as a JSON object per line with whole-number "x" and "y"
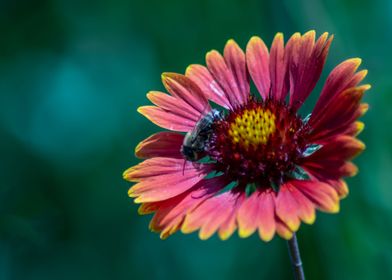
{"x": 203, "y": 126}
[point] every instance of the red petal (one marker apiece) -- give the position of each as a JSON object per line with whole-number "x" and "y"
{"x": 235, "y": 60}
{"x": 278, "y": 68}
{"x": 183, "y": 88}
{"x": 339, "y": 114}
{"x": 173, "y": 105}
{"x": 340, "y": 79}
{"x": 161, "y": 178}
{"x": 307, "y": 62}
{"x": 223, "y": 75}
{"x": 289, "y": 55}
{"x": 162, "y": 144}
{"x": 202, "y": 77}
{"x": 341, "y": 147}
{"x": 321, "y": 194}
{"x": 340, "y": 187}
{"x": 330, "y": 169}
{"x": 257, "y": 59}
{"x": 355, "y": 128}
{"x": 166, "y": 119}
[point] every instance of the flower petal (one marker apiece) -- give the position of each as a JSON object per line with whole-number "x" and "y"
{"x": 286, "y": 207}
{"x": 321, "y": 194}
{"x": 258, "y": 212}
{"x": 339, "y": 114}
{"x": 248, "y": 216}
{"x": 330, "y": 169}
{"x": 212, "y": 214}
{"x": 170, "y": 213}
{"x": 341, "y": 147}
{"x": 223, "y": 75}
{"x": 203, "y": 78}
{"x": 306, "y": 66}
{"x": 283, "y": 230}
{"x": 235, "y": 60}
{"x": 289, "y": 53}
{"x": 185, "y": 89}
{"x": 267, "y": 224}
{"x": 355, "y": 128}
{"x": 341, "y": 78}
{"x": 161, "y": 178}
{"x": 278, "y": 68}
{"x": 292, "y": 206}
{"x": 340, "y": 187}
{"x": 162, "y": 144}
{"x": 257, "y": 59}
{"x": 228, "y": 227}
{"x": 166, "y": 119}
{"x": 331, "y": 161}
{"x": 173, "y": 105}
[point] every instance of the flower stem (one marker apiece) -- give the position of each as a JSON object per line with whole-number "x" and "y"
{"x": 295, "y": 258}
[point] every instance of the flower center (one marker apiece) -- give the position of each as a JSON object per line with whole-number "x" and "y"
{"x": 259, "y": 142}
{"x": 252, "y": 127}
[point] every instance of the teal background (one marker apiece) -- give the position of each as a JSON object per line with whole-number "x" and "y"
{"x": 72, "y": 74}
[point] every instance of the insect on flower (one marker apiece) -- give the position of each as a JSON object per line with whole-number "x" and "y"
{"x": 196, "y": 141}
{"x": 273, "y": 168}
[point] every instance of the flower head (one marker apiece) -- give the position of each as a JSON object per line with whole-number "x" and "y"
{"x": 252, "y": 164}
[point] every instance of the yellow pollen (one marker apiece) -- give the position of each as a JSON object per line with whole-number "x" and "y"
{"x": 253, "y": 127}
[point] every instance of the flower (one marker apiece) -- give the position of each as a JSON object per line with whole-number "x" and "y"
{"x": 264, "y": 168}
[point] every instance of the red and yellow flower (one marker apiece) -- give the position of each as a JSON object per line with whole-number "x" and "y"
{"x": 268, "y": 169}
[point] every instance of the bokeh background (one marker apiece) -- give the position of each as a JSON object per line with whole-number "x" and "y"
{"x": 72, "y": 74}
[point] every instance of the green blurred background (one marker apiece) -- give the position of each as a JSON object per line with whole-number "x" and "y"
{"x": 72, "y": 74}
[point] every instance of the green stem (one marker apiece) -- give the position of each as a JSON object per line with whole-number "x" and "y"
{"x": 295, "y": 258}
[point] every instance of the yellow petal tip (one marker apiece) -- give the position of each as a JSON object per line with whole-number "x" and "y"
{"x": 244, "y": 233}
{"x": 266, "y": 237}
{"x": 278, "y": 35}
{"x": 224, "y": 235}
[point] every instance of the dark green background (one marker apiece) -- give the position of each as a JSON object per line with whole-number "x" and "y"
{"x": 72, "y": 74}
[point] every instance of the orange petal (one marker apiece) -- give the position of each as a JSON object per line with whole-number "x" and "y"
{"x": 170, "y": 213}
{"x": 257, "y": 212}
{"x": 248, "y": 216}
{"x": 287, "y": 208}
{"x": 211, "y": 214}
{"x": 283, "y": 230}
{"x": 267, "y": 224}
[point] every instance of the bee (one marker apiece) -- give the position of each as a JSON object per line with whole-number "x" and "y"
{"x": 195, "y": 141}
